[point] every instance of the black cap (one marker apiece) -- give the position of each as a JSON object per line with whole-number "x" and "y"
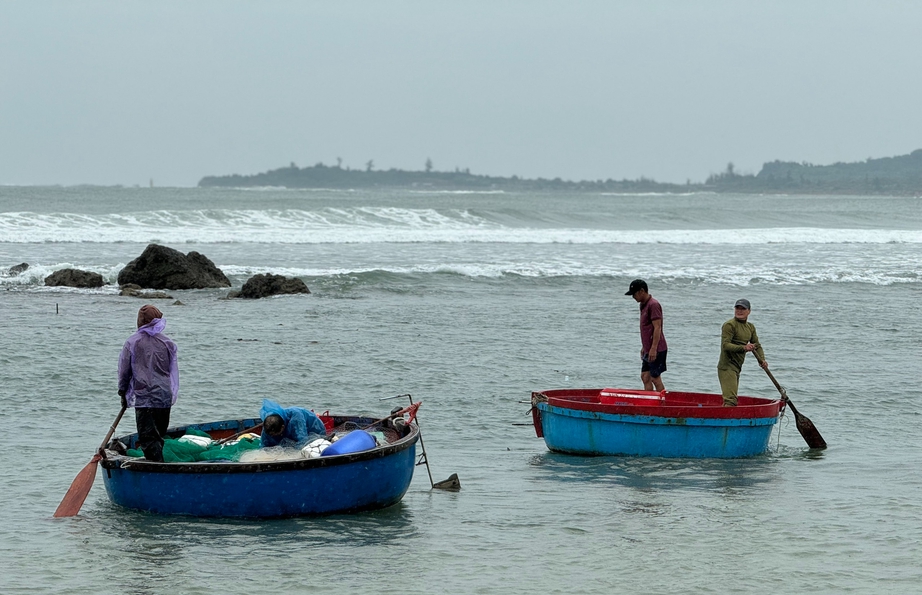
{"x": 744, "y": 303}
{"x": 636, "y": 285}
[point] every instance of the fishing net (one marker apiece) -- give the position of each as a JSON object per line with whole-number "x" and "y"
{"x": 271, "y": 453}
{"x": 198, "y": 446}
{"x": 382, "y": 434}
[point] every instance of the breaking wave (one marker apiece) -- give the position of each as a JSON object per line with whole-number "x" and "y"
{"x": 356, "y": 225}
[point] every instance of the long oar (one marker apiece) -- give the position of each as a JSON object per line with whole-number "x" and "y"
{"x": 398, "y": 413}
{"x": 452, "y": 483}
{"x": 80, "y": 488}
{"x": 239, "y": 434}
{"x": 806, "y": 428}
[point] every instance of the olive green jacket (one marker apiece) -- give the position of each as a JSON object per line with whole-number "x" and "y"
{"x": 733, "y": 337}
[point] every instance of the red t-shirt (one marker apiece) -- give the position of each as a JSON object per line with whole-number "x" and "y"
{"x": 650, "y": 311}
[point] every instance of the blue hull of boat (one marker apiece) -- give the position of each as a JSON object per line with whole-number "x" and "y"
{"x": 582, "y": 432}
{"x": 337, "y": 484}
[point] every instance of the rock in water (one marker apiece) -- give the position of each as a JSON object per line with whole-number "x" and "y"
{"x": 259, "y": 286}
{"x": 132, "y": 290}
{"x": 160, "y": 267}
{"x": 74, "y": 278}
{"x": 19, "y": 268}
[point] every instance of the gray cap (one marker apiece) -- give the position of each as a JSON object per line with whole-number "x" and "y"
{"x": 743, "y": 303}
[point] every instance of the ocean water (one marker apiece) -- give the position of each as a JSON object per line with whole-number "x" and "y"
{"x": 470, "y": 301}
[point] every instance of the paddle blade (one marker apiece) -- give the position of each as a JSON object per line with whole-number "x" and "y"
{"x": 79, "y": 490}
{"x": 452, "y": 484}
{"x": 806, "y": 428}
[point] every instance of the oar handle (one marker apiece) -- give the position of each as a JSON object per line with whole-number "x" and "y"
{"x": 784, "y": 394}
{"x": 411, "y": 410}
{"x": 775, "y": 382}
{"x": 239, "y": 434}
{"x": 114, "y": 425}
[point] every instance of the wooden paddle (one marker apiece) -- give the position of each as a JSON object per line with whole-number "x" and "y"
{"x": 806, "y": 428}
{"x": 398, "y": 413}
{"x": 239, "y": 434}
{"x": 452, "y": 484}
{"x": 80, "y": 488}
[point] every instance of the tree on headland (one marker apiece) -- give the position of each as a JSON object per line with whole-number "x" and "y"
{"x": 901, "y": 175}
{"x": 725, "y": 176}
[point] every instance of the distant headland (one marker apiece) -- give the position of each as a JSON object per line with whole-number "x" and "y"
{"x": 900, "y": 176}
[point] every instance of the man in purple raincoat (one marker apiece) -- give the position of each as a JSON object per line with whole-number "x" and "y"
{"x": 148, "y": 380}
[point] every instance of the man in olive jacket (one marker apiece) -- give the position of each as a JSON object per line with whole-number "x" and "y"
{"x": 737, "y": 338}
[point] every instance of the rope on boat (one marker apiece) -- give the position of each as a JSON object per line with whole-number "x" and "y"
{"x": 778, "y": 434}
{"x": 782, "y": 411}
{"x": 535, "y": 399}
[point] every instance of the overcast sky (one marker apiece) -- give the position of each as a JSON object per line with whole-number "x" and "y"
{"x": 123, "y": 92}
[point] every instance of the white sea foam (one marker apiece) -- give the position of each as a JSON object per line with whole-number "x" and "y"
{"x": 723, "y": 274}
{"x": 36, "y": 273}
{"x": 333, "y": 225}
{"x": 484, "y": 192}
{"x": 701, "y": 193}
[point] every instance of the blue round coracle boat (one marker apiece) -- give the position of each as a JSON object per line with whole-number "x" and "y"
{"x": 341, "y": 483}
{"x": 656, "y": 424}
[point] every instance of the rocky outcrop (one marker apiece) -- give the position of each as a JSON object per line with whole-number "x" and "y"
{"x": 132, "y": 290}
{"x": 160, "y": 267}
{"x": 260, "y": 286}
{"x": 74, "y": 278}
{"x": 19, "y": 268}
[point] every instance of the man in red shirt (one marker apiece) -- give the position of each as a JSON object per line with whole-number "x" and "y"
{"x": 653, "y": 350}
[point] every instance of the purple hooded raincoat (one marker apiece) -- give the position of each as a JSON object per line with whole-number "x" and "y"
{"x": 148, "y": 371}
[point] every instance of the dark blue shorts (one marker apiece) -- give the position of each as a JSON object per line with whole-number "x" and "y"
{"x": 657, "y": 367}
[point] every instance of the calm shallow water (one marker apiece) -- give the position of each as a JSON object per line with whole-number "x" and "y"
{"x": 470, "y": 310}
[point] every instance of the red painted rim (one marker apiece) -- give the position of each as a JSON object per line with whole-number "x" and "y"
{"x": 675, "y": 404}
